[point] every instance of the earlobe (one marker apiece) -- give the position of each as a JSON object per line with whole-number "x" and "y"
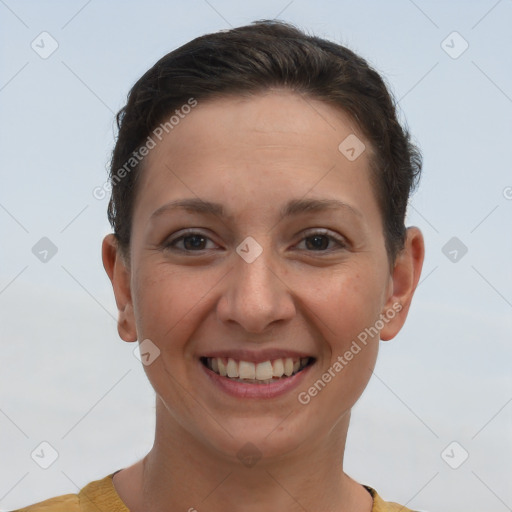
{"x": 119, "y": 274}
{"x": 404, "y": 280}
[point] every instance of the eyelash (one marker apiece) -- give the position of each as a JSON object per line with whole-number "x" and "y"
{"x": 189, "y": 234}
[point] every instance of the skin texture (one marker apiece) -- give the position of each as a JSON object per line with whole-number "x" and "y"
{"x": 253, "y": 155}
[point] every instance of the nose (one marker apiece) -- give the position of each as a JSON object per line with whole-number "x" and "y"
{"x": 257, "y": 296}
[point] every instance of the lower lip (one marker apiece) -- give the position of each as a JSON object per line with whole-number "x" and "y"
{"x": 248, "y": 390}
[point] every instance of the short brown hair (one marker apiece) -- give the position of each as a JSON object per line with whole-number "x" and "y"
{"x": 252, "y": 59}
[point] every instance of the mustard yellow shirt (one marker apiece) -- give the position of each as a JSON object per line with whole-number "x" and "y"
{"x": 101, "y": 495}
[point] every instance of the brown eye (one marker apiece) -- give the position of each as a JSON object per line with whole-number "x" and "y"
{"x": 194, "y": 242}
{"x": 317, "y": 242}
{"x": 322, "y": 242}
{"x": 190, "y": 242}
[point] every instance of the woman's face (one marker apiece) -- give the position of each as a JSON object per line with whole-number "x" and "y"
{"x": 255, "y": 238}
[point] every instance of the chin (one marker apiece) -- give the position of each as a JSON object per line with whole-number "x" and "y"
{"x": 262, "y": 438}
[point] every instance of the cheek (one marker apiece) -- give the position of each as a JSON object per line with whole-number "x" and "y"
{"x": 169, "y": 302}
{"x": 168, "y": 306}
{"x": 345, "y": 307}
{"x": 345, "y": 302}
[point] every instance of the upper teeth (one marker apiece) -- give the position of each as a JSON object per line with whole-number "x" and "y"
{"x": 263, "y": 371}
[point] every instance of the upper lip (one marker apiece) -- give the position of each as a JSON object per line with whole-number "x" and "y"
{"x": 256, "y": 356}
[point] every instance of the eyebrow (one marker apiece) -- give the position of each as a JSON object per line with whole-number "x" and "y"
{"x": 293, "y": 207}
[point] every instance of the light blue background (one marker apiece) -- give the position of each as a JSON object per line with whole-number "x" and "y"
{"x": 67, "y": 378}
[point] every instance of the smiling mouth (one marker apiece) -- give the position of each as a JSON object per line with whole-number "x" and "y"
{"x": 257, "y": 373}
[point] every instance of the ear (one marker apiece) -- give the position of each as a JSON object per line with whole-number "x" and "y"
{"x": 404, "y": 280}
{"x": 119, "y": 273}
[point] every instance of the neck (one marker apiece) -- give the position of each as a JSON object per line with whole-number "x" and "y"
{"x": 181, "y": 473}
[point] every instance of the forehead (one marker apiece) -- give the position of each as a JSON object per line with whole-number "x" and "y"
{"x": 262, "y": 146}
{"x": 270, "y": 120}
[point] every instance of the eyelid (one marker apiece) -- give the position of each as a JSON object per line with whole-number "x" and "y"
{"x": 340, "y": 240}
{"x": 180, "y": 235}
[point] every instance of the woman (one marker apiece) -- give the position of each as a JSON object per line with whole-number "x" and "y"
{"x": 259, "y": 187}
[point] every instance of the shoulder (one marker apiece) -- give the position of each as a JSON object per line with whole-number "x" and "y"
{"x": 99, "y": 495}
{"x": 66, "y": 503}
{"x": 379, "y": 505}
